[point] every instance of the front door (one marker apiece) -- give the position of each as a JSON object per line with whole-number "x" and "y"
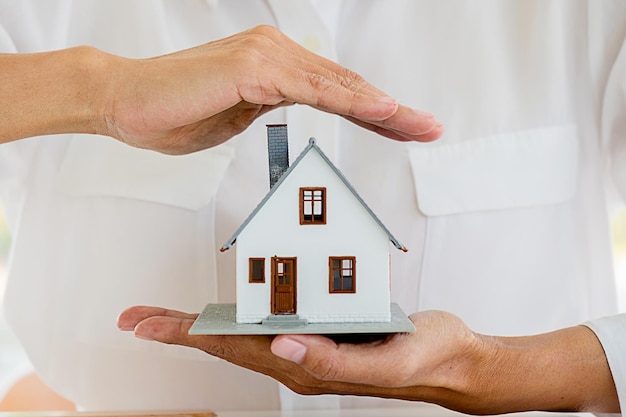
{"x": 283, "y": 285}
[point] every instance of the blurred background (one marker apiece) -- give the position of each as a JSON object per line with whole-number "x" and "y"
{"x": 21, "y": 390}
{"x": 618, "y": 229}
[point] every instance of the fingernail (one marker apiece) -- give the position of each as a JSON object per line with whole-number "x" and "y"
{"x": 289, "y": 349}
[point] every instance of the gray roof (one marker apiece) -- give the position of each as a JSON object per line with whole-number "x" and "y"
{"x": 311, "y": 146}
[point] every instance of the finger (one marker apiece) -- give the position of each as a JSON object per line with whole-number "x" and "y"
{"x": 301, "y": 76}
{"x": 387, "y": 132}
{"x": 318, "y": 91}
{"x": 373, "y": 363}
{"x": 166, "y": 329}
{"x": 315, "y": 63}
{"x": 320, "y": 356}
{"x": 409, "y": 123}
{"x": 350, "y": 79}
{"x": 249, "y": 351}
{"x": 382, "y": 112}
{"x": 252, "y": 352}
{"x": 132, "y": 316}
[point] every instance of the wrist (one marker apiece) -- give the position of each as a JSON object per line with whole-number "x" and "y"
{"x": 565, "y": 370}
{"x": 52, "y": 92}
{"x": 92, "y": 70}
{"x": 469, "y": 378}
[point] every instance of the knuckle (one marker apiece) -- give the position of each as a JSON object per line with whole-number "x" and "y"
{"x": 318, "y": 81}
{"x": 345, "y": 86}
{"x": 260, "y": 38}
{"x": 323, "y": 88}
{"x": 345, "y": 78}
{"x": 351, "y": 80}
{"x": 267, "y": 30}
{"x": 251, "y": 47}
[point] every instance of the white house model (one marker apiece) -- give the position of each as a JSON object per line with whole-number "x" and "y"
{"x": 312, "y": 247}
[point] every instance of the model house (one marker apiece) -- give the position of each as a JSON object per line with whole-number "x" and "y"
{"x": 312, "y": 248}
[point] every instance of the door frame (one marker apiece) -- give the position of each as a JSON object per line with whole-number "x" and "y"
{"x": 294, "y": 280}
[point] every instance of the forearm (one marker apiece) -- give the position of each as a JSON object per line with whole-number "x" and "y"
{"x": 564, "y": 370}
{"x": 51, "y": 92}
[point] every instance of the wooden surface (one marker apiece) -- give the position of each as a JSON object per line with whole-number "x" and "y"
{"x": 107, "y": 414}
{"x": 415, "y": 410}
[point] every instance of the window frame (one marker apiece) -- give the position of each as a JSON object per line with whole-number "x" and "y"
{"x": 331, "y": 271}
{"x": 251, "y": 279}
{"x": 311, "y": 203}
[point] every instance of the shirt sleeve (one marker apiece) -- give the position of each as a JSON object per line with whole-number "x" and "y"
{"x": 611, "y": 331}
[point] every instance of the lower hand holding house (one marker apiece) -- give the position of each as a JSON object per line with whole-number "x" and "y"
{"x": 443, "y": 362}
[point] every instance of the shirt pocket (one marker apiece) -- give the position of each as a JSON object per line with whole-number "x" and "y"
{"x": 512, "y": 170}
{"x": 100, "y": 166}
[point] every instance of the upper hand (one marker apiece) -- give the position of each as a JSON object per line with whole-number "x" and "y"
{"x": 201, "y": 97}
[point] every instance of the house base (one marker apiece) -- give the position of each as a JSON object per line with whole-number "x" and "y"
{"x": 220, "y": 319}
{"x": 284, "y": 320}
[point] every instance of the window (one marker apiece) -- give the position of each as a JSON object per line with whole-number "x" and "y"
{"x": 342, "y": 274}
{"x": 312, "y": 205}
{"x": 257, "y": 270}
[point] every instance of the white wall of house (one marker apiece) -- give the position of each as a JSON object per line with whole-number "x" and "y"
{"x": 349, "y": 231}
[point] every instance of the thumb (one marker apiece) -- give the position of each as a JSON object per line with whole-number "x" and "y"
{"x": 318, "y": 355}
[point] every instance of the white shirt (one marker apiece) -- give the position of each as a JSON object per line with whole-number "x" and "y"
{"x": 505, "y": 217}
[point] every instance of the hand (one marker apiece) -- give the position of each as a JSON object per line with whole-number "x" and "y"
{"x": 192, "y": 99}
{"x": 442, "y": 362}
{"x": 201, "y": 97}
{"x": 317, "y": 365}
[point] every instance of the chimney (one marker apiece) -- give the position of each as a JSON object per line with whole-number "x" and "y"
{"x": 278, "y": 151}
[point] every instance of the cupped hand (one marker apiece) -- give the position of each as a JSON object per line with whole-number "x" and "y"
{"x": 442, "y": 362}
{"x": 200, "y": 97}
{"x": 428, "y": 365}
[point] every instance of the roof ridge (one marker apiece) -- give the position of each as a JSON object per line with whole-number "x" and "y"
{"x": 312, "y": 145}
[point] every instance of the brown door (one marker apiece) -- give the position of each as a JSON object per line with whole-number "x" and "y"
{"x": 284, "y": 285}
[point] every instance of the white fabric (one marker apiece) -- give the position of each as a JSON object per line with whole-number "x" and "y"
{"x": 534, "y": 167}
{"x": 196, "y": 177}
{"x": 611, "y": 331}
{"x": 94, "y": 238}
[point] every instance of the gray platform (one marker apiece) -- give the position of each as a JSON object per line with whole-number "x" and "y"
{"x": 219, "y": 319}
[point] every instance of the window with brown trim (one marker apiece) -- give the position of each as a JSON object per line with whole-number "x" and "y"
{"x": 256, "y": 270}
{"x": 313, "y": 205}
{"x": 342, "y": 274}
